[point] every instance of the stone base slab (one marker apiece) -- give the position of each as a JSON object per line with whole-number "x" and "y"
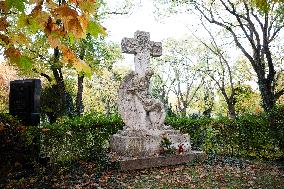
{"x": 159, "y": 161}
{"x": 143, "y": 145}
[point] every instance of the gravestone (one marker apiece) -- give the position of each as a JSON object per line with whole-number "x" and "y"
{"x": 24, "y": 100}
{"x": 140, "y": 140}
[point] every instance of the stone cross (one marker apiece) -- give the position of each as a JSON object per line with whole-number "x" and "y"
{"x": 142, "y": 48}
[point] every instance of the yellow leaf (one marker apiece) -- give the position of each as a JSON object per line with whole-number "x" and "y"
{"x": 50, "y": 4}
{"x": 70, "y": 58}
{"x": 34, "y": 1}
{"x": 84, "y": 20}
{"x": 40, "y": 16}
{"x": 88, "y": 6}
{"x": 20, "y": 38}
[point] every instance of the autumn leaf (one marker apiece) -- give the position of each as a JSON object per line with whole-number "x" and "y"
{"x": 21, "y": 128}
{"x": 3, "y": 24}
{"x": 88, "y": 6}
{"x": 5, "y": 39}
{"x": 25, "y": 63}
{"x": 74, "y": 26}
{"x": 65, "y": 13}
{"x": 53, "y": 40}
{"x": 84, "y": 21}
{"x": 70, "y": 58}
{"x": 12, "y": 53}
{"x": 3, "y": 7}
{"x": 28, "y": 21}
{"x": 20, "y": 38}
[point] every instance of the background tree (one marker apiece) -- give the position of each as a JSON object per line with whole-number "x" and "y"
{"x": 254, "y": 32}
{"x": 179, "y": 64}
{"x": 247, "y": 25}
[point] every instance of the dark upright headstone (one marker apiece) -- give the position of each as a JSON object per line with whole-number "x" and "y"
{"x": 24, "y": 100}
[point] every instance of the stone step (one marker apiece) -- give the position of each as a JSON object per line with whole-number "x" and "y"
{"x": 160, "y": 161}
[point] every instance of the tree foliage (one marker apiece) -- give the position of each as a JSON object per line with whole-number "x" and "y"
{"x": 58, "y": 21}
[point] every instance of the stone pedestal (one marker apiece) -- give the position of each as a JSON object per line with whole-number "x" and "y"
{"x": 144, "y": 143}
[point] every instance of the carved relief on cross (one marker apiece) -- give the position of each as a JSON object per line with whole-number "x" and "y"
{"x": 143, "y": 49}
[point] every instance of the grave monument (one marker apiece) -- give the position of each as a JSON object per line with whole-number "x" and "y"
{"x": 24, "y": 100}
{"x": 139, "y": 143}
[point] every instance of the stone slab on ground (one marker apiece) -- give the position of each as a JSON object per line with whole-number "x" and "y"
{"x": 160, "y": 161}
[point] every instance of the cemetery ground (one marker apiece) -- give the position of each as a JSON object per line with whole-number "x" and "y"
{"x": 215, "y": 172}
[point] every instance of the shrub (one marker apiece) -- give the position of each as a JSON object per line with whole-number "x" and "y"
{"x": 81, "y": 137}
{"x": 257, "y": 136}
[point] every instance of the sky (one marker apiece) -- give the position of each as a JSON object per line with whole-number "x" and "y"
{"x": 142, "y": 17}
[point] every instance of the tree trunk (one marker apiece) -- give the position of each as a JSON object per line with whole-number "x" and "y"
{"x": 66, "y": 99}
{"x": 79, "y": 101}
{"x": 231, "y": 110}
{"x": 267, "y": 94}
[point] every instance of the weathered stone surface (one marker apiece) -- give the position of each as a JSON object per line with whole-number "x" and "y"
{"x": 142, "y": 114}
{"x": 150, "y": 162}
{"x": 142, "y": 48}
{"x": 138, "y": 144}
{"x": 138, "y": 109}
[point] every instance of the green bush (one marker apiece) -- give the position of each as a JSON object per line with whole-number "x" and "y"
{"x": 82, "y": 137}
{"x": 195, "y": 127}
{"x": 257, "y": 136}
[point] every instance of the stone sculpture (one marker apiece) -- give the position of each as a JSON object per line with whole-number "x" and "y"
{"x": 142, "y": 114}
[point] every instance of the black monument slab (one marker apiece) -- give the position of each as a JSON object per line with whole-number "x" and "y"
{"x": 24, "y": 101}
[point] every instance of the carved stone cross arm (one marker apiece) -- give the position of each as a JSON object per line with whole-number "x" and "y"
{"x": 142, "y": 48}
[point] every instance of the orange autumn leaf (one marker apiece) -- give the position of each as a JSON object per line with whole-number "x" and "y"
{"x": 3, "y": 24}
{"x": 53, "y": 41}
{"x": 51, "y": 28}
{"x": 12, "y": 53}
{"x": 65, "y": 13}
{"x": 84, "y": 21}
{"x": 75, "y": 27}
{"x": 70, "y": 58}
{"x": 68, "y": 55}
